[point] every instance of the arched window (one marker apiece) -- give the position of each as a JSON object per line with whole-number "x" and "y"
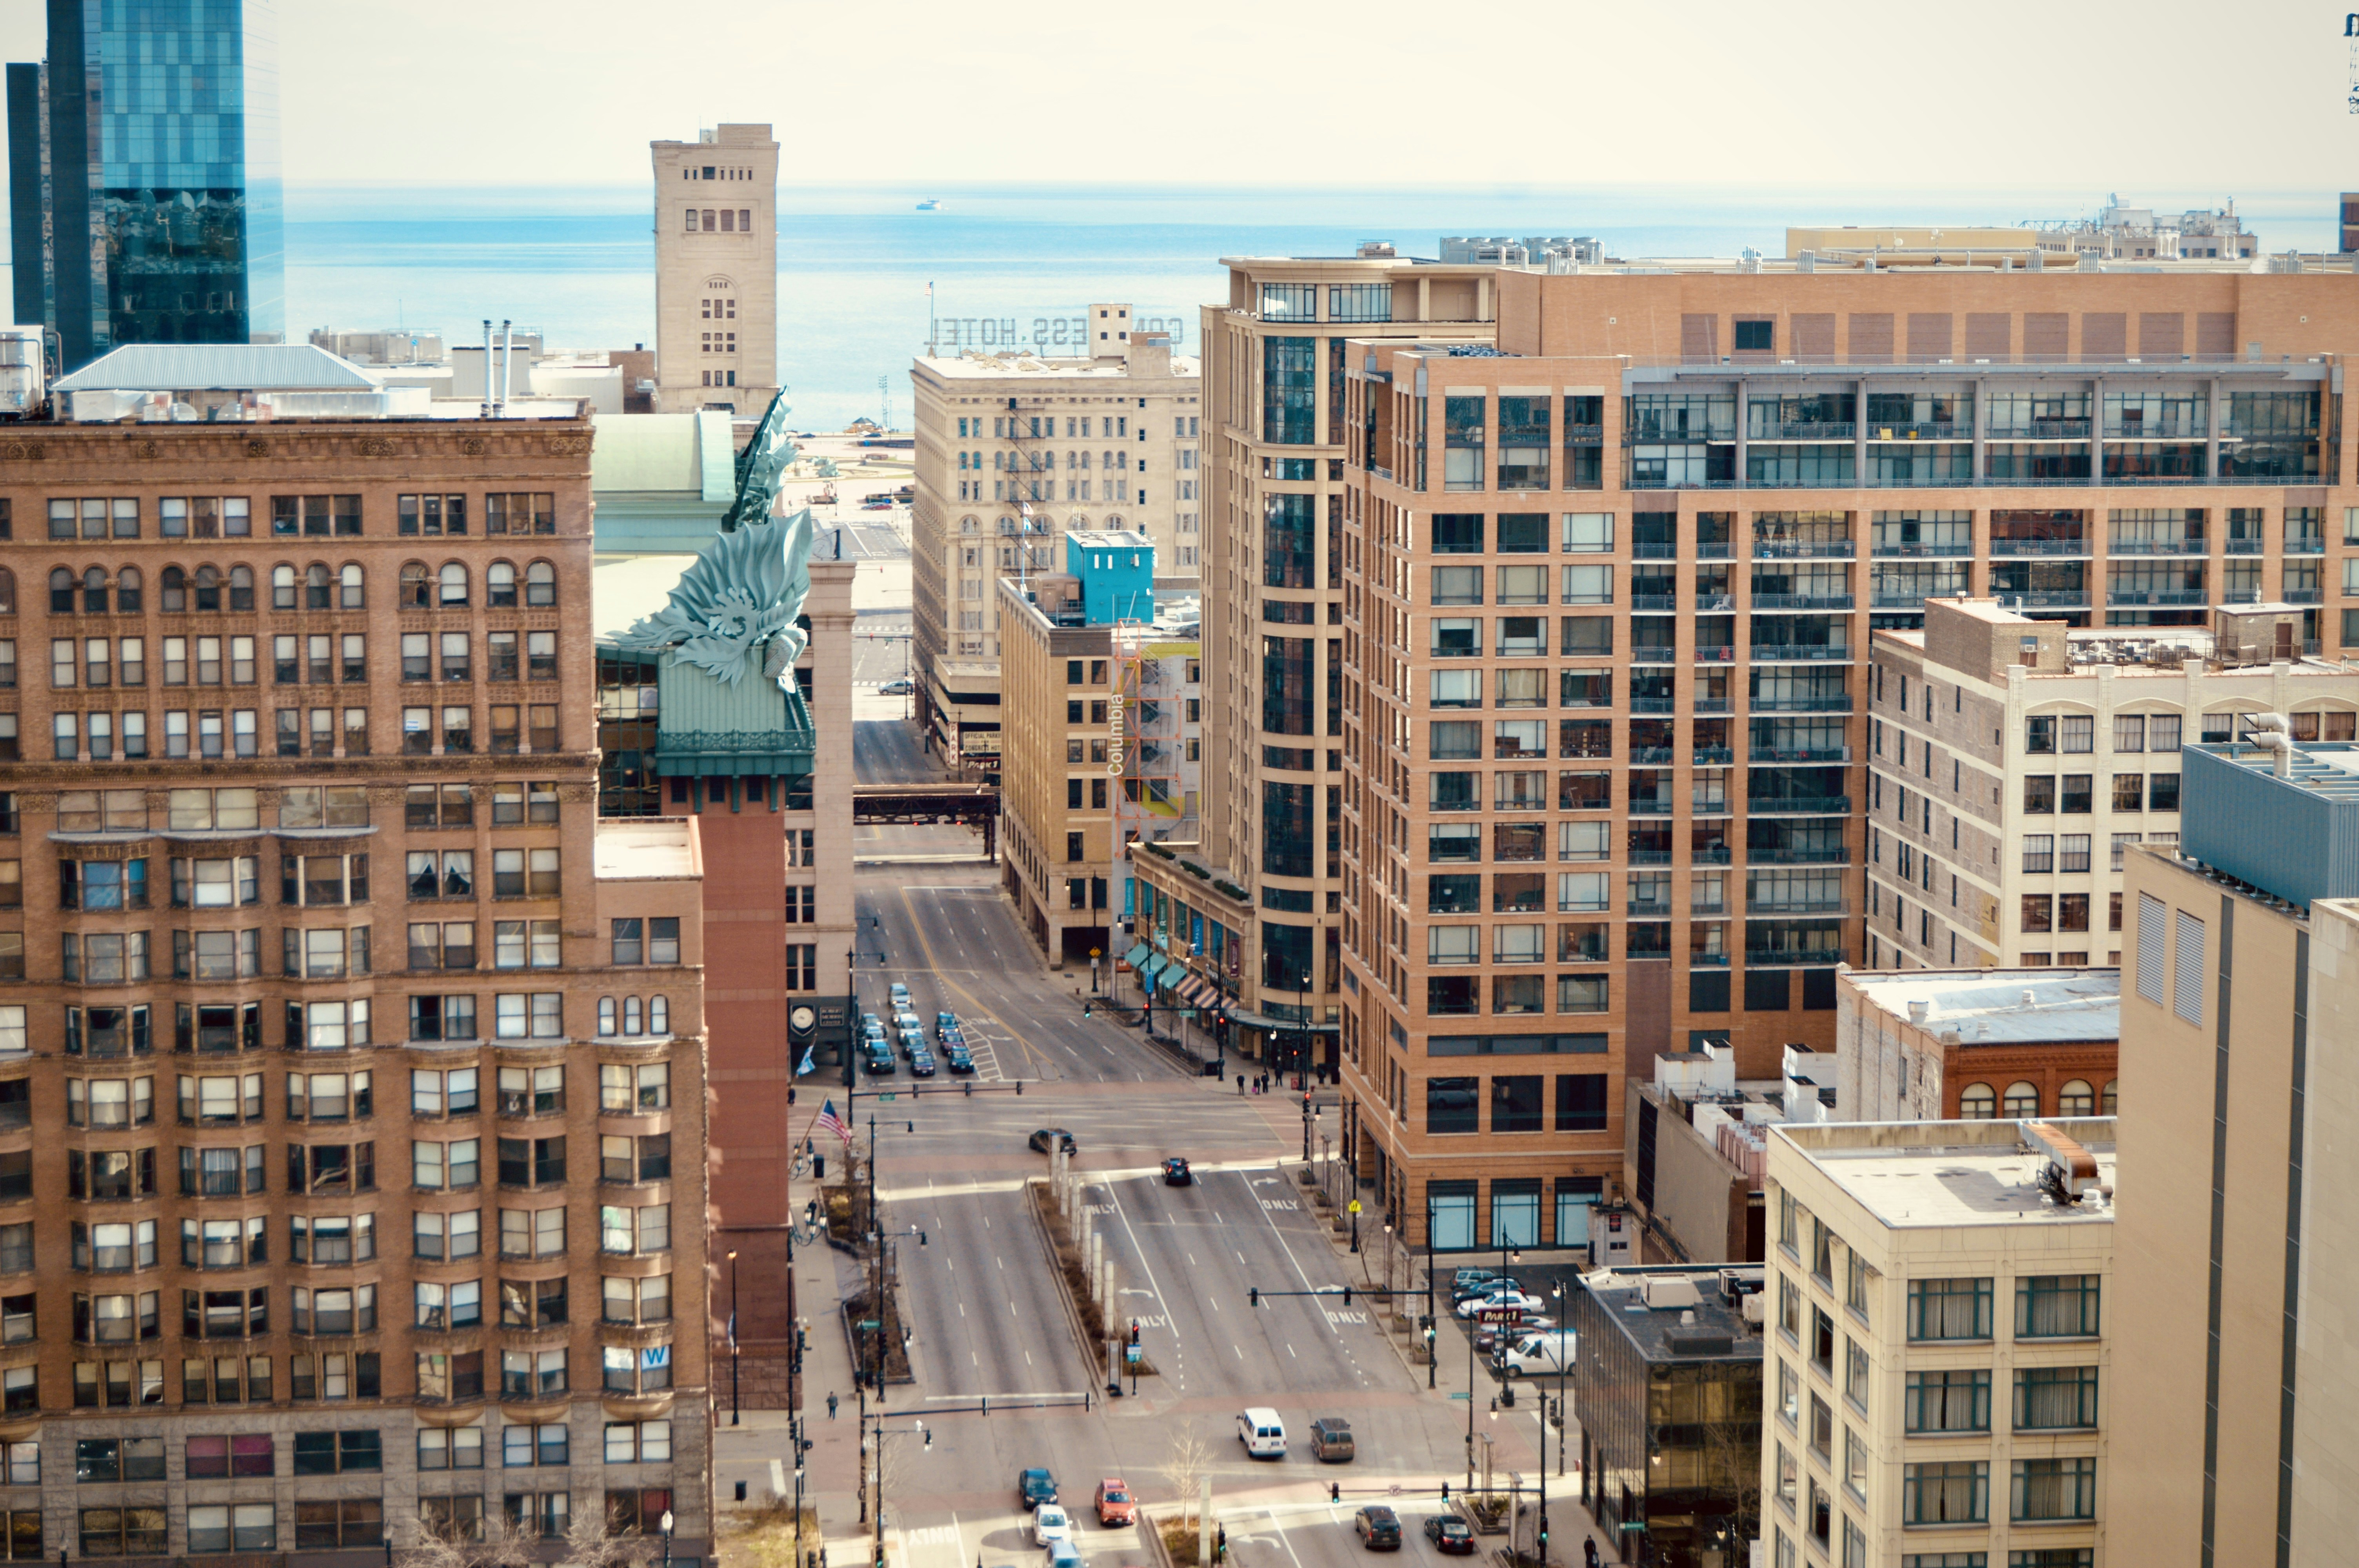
{"x": 2076, "y": 1099}
{"x": 631, "y": 1016}
{"x": 127, "y": 597}
{"x": 605, "y": 1015}
{"x": 207, "y": 586}
{"x": 241, "y": 588}
{"x": 499, "y": 585}
{"x": 658, "y": 1015}
{"x": 318, "y": 588}
{"x": 7, "y": 591}
{"x": 966, "y": 525}
{"x": 2110, "y": 1102}
{"x": 415, "y": 592}
{"x": 350, "y": 594}
{"x": 176, "y": 590}
{"x": 539, "y": 585}
{"x": 282, "y": 587}
{"x": 61, "y": 592}
{"x": 1978, "y": 1103}
{"x": 94, "y": 592}
{"x": 2022, "y": 1100}
{"x": 454, "y": 584}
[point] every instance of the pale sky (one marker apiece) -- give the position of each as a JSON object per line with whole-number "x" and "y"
{"x": 2164, "y": 95}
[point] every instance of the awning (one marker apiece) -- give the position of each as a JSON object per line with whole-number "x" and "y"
{"x": 1138, "y": 950}
{"x": 1201, "y": 992}
{"x": 1151, "y": 965}
{"x": 1279, "y": 1026}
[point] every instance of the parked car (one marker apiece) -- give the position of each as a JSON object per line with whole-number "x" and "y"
{"x": 1330, "y": 1440}
{"x": 1043, "y": 1140}
{"x": 1513, "y": 1300}
{"x": 1489, "y": 1285}
{"x": 1450, "y": 1534}
{"x": 1490, "y": 1338}
{"x": 1176, "y": 1173}
{"x": 957, "y": 1058}
{"x": 1034, "y": 1487}
{"x": 1466, "y": 1281}
{"x": 1538, "y": 1351}
{"x": 1115, "y": 1505}
{"x": 1379, "y": 1527}
{"x": 1050, "y": 1524}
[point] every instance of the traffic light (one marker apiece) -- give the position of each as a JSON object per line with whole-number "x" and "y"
{"x": 1334, "y": 1492}
{"x": 1085, "y": 1010}
{"x": 1253, "y": 1295}
{"x": 1019, "y": 1089}
{"x": 1445, "y": 1491}
{"x": 1347, "y": 1295}
{"x": 1134, "y": 1331}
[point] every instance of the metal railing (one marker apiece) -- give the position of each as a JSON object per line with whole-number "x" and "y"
{"x": 1801, "y": 653}
{"x": 1643, "y": 808}
{"x": 1799, "y": 806}
{"x": 1654, "y": 705}
{"x": 1654, "y": 601}
{"x": 2244, "y": 546}
{"x": 1840, "y": 855}
{"x": 1923, "y": 430}
{"x": 2001, "y": 548}
{"x": 1799, "y": 754}
{"x": 1796, "y": 906}
{"x": 2013, "y": 599}
{"x": 1655, "y": 550}
{"x": 2305, "y": 546}
{"x": 2115, "y": 596}
{"x": 1920, "y": 551}
{"x": 1715, "y": 550}
{"x": 1900, "y": 600}
{"x": 1803, "y": 430}
{"x": 1803, "y": 549}
{"x": 2303, "y": 596}
{"x": 1709, "y": 756}
{"x": 1802, "y": 704}
{"x": 1767, "y": 957}
{"x": 1710, "y": 705}
{"x": 1652, "y": 756}
{"x": 1716, "y": 653}
{"x": 2195, "y": 546}
{"x": 2039, "y": 430}
{"x": 1802, "y": 600}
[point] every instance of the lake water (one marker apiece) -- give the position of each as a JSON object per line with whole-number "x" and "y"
{"x": 576, "y": 264}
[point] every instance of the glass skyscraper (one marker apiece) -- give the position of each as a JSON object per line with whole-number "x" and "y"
{"x": 144, "y": 181}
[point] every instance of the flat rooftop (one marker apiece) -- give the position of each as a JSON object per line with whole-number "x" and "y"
{"x": 1917, "y": 1174}
{"x": 1657, "y": 1330}
{"x": 2328, "y": 768}
{"x": 646, "y": 849}
{"x": 1991, "y": 1006}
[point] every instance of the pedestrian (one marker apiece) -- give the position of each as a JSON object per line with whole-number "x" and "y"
{"x": 830, "y": 1415}
{"x": 1589, "y": 1551}
{"x": 1241, "y": 1083}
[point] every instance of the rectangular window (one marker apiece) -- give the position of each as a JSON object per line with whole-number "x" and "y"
{"x": 2054, "y": 1489}
{"x": 1950, "y": 1309}
{"x": 2056, "y": 1307}
{"x": 1951, "y": 1492}
{"x": 1947, "y": 1401}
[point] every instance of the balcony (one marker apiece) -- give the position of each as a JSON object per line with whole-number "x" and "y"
{"x": 1838, "y": 856}
{"x": 1712, "y": 855}
{"x": 1584, "y": 435}
{"x": 1640, "y": 807}
{"x": 2305, "y": 546}
{"x": 1654, "y": 705}
{"x": 1802, "y": 601}
{"x": 1655, "y": 550}
{"x": 1772, "y": 958}
{"x": 1649, "y": 858}
{"x": 1654, "y": 601}
{"x": 2117, "y": 596}
{"x": 1655, "y": 653}
{"x": 1800, "y": 653}
{"x": 1710, "y": 705}
{"x": 1898, "y": 601}
{"x": 1803, "y": 430}
{"x": 2039, "y": 430}
{"x": 1803, "y": 549}
{"x": 2164, "y": 429}
{"x": 2157, "y": 548}
{"x": 1652, "y": 756}
{"x": 2247, "y": 547}
{"x": 1801, "y": 704}
{"x": 1920, "y": 552}
{"x": 2002, "y": 548}
{"x": 1795, "y": 907}
{"x": 1716, "y": 653}
{"x": 2058, "y": 599}
{"x": 1802, "y": 754}
{"x": 1711, "y": 756}
{"x": 1930, "y": 430}
{"x": 1715, "y": 550}
{"x": 2302, "y": 596}
{"x": 1799, "y": 806}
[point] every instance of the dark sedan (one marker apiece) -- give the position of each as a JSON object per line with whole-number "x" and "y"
{"x": 1379, "y": 1527}
{"x": 1046, "y": 1139}
{"x": 1448, "y": 1534}
{"x": 1176, "y": 1173}
{"x": 922, "y": 1064}
{"x": 957, "y": 1058}
{"x": 1034, "y": 1487}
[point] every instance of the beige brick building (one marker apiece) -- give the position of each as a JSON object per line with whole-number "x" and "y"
{"x": 346, "y": 1220}
{"x": 716, "y": 220}
{"x": 2062, "y": 750}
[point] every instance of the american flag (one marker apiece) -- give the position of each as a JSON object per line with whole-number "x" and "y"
{"x": 830, "y": 1121}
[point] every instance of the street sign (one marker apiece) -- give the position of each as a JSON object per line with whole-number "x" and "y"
{"x": 868, "y": 1322}
{"x": 1499, "y": 1314}
{"x": 1133, "y": 1354}
{"x": 1353, "y": 1207}
{"x": 887, "y": 1094}
{"x": 1462, "y": 1396}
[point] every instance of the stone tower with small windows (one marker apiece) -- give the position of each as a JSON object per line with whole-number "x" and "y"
{"x": 716, "y": 224}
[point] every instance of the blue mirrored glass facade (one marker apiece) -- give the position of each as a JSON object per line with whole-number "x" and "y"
{"x": 143, "y": 176}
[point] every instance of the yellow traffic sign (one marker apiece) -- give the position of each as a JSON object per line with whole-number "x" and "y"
{"x": 1354, "y": 1207}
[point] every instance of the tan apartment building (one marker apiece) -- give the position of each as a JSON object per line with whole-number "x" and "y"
{"x": 1014, "y": 449}
{"x": 258, "y": 1300}
{"x": 1274, "y": 454}
{"x": 1977, "y": 1044}
{"x": 1944, "y": 1308}
{"x": 2022, "y": 865}
{"x": 2237, "y": 1441}
{"x": 716, "y": 221}
{"x": 1102, "y": 676}
{"x": 1606, "y": 591}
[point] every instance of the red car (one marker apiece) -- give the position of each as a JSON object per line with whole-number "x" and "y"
{"x": 1115, "y": 1505}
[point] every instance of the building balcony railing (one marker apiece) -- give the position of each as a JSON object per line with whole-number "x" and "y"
{"x": 2246, "y": 547}
{"x": 1654, "y": 601}
{"x": 2302, "y": 596}
{"x": 1799, "y": 754}
{"x": 1715, "y": 550}
{"x": 2039, "y": 430}
{"x": 2055, "y": 599}
{"x": 1768, "y": 704}
{"x": 2163, "y": 430}
{"x": 1803, "y": 549}
{"x": 1649, "y": 858}
{"x": 1654, "y": 705}
{"x": 1711, "y": 756}
{"x": 1920, "y": 551}
{"x": 1716, "y": 653}
{"x": 1654, "y": 908}
{"x": 2000, "y": 548}
{"x": 1717, "y": 960}
{"x": 2156, "y": 596}
{"x": 1654, "y": 653}
{"x": 1655, "y": 550}
{"x": 1802, "y": 601}
{"x": 1580, "y": 435}
{"x": 1650, "y": 807}
{"x": 1803, "y": 430}
{"x": 1712, "y": 855}
{"x": 1652, "y": 756}
{"x": 2157, "y": 548}
{"x": 1770, "y": 957}
{"x": 1801, "y": 653}
{"x": 2305, "y": 546}
{"x": 1796, "y": 906}
{"x": 1799, "y": 806}
{"x": 1710, "y": 705}
{"x": 1838, "y": 856}
{"x": 1897, "y": 601}
{"x": 1930, "y": 430}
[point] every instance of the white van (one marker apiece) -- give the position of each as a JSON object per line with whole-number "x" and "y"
{"x": 1540, "y": 1353}
{"x": 1262, "y": 1432}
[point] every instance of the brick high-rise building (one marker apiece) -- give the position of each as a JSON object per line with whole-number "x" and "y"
{"x": 1605, "y": 593}
{"x": 367, "y": 1063}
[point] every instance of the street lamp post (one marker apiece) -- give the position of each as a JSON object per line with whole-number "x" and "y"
{"x": 882, "y": 1432}
{"x": 733, "y": 1338}
{"x": 665, "y": 1524}
{"x": 1429, "y": 1296}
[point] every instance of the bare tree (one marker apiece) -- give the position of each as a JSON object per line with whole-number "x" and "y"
{"x": 496, "y": 1541}
{"x": 589, "y": 1543}
{"x": 1184, "y": 1467}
